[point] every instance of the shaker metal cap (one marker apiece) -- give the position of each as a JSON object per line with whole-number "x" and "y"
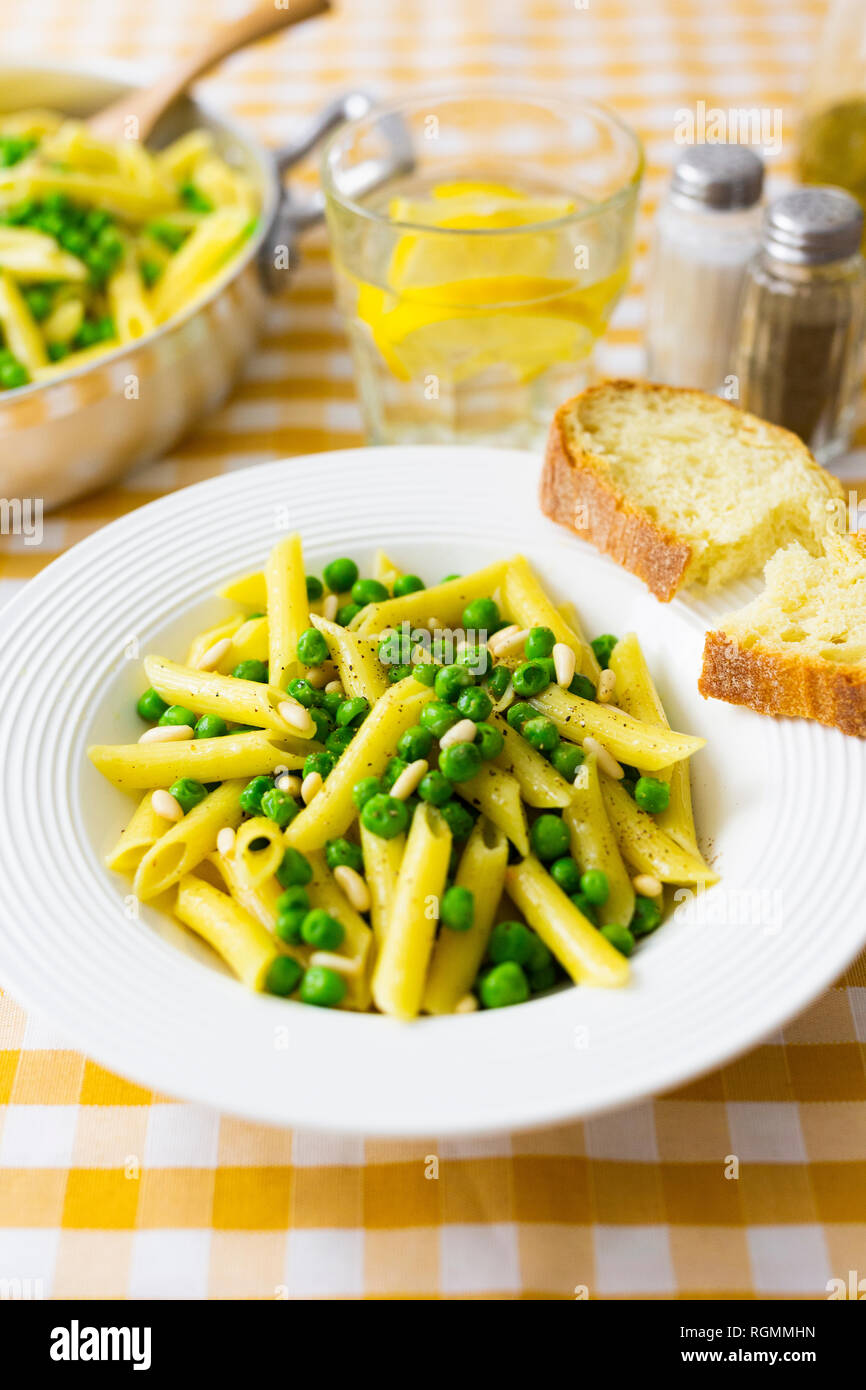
{"x": 725, "y": 177}
{"x": 813, "y": 226}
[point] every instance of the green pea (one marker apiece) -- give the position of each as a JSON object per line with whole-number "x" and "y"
{"x": 541, "y": 980}
{"x": 396, "y": 767}
{"x": 582, "y": 686}
{"x": 541, "y": 733}
{"x": 620, "y": 937}
{"x": 38, "y": 302}
{"x": 566, "y": 758}
{"x": 385, "y": 816}
{"x": 283, "y": 975}
{"x": 647, "y": 915}
{"x": 489, "y": 741}
{"x": 448, "y": 577}
{"x": 603, "y": 646}
{"x": 352, "y": 712}
{"x": 460, "y": 761}
{"x": 288, "y": 925}
{"x": 303, "y": 692}
{"x": 540, "y": 642}
{"x": 178, "y": 714}
{"x": 505, "y": 984}
{"x": 652, "y": 795}
{"x": 338, "y": 741}
{"x": 438, "y": 717}
{"x": 210, "y": 726}
{"x": 187, "y": 793}
{"x": 323, "y": 763}
{"x": 457, "y": 818}
{"x": 399, "y": 673}
{"x": 540, "y": 957}
{"x": 150, "y": 705}
{"x": 457, "y": 908}
{"x": 342, "y": 852}
{"x": 566, "y": 875}
{"x": 594, "y": 886}
{"x": 480, "y": 614}
{"x": 279, "y": 806}
{"x": 530, "y": 678}
{"x": 251, "y": 796}
{"x": 251, "y": 670}
{"x": 363, "y": 790}
{"x": 321, "y": 930}
{"x": 549, "y": 837}
{"x": 450, "y": 680}
{"x": 519, "y": 712}
{"x": 331, "y": 702}
{"x": 293, "y": 897}
{"x": 435, "y": 788}
{"x": 390, "y": 650}
{"x": 474, "y": 703}
{"x": 425, "y": 672}
{"x": 582, "y": 903}
{"x": 340, "y": 575}
{"x": 13, "y": 374}
{"x": 312, "y": 647}
{"x": 475, "y": 658}
{"x": 295, "y": 869}
{"x": 498, "y": 681}
{"x": 366, "y": 591}
{"x": 407, "y": 584}
{"x": 323, "y": 722}
{"x": 315, "y": 588}
{"x": 322, "y": 987}
{"x": 510, "y": 941}
{"x": 415, "y": 743}
{"x": 346, "y": 613}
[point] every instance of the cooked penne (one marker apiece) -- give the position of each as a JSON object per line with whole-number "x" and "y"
{"x": 249, "y": 588}
{"x": 143, "y": 830}
{"x": 288, "y": 608}
{"x": 445, "y": 602}
{"x": 360, "y": 670}
{"x": 401, "y": 969}
{"x": 580, "y": 949}
{"x": 259, "y": 848}
{"x": 528, "y": 605}
{"x": 629, "y": 740}
{"x": 385, "y": 570}
{"x": 250, "y": 642}
{"x": 258, "y": 899}
{"x": 382, "y": 859}
{"x": 645, "y": 845}
{"x": 187, "y": 843}
{"x": 20, "y": 330}
{"x": 457, "y": 955}
{"x": 497, "y": 794}
{"x": 242, "y": 942}
{"x": 203, "y": 641}
{"x": 203, "y": 253}
{"x": 357, "y": 941}
{"x": 128, "y": 304}
{"x": 208, "y": 692}
{"x": 132, "y": 766}
{"x": 540, "y": 784}
{"x": 594, "y": 845}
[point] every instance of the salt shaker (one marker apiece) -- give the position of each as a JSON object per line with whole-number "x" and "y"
{"x": 798, "y": 358}
{"x": 706, "y": 232}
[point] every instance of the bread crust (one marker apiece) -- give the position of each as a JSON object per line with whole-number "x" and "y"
{"x": 774, "y": 682}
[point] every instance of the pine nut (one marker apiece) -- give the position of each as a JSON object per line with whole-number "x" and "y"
{"x": 606, "y": 761}
{"x": 513, "y": 641}
{"x": 467, "y": 1005}
{"x": 409, "y": 779}
{"x": 433, "y": 624}
{"x": 214, "y": 655}
{"x": 329, "y": 607}
{"x": 311, "y": 786}
{"x": 317, "y": 676}
{"x": 165, "y": 805}
{"x": 501, "y": 636}
{"x": 167, "y": 733}
{"x": 564, "y": 662}
{"x": 606, "y": 686}
{"x": 288, "y": 783}
{"x": 463, "y": 731}
{"x": 334, "y": 688}
{"x": 647, "y": 885}
{"x": 295, "y": 716}
{"x": 344, "y": 965}
{"x": 354, "y": 886}
{"x": 226, "y": 840}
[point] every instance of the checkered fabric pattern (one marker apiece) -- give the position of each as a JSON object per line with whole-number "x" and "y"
{"x": 750, "y": 1182}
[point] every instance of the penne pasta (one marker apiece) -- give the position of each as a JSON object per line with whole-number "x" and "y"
{"x": 188, "y": 842}
{"x": 645, "y": 845}
{"x": 259, "y": 849}
{"x": 132, "y": 766}
{"x": 249, "y": 588}
{"x": 629, "y": 740}
{"x": 497, "y": 794}
{"x": 540, "y": 784}
{"x": 142, "y": 831}
{"x": 529, "y": 606}
{"x": 594, "y": 845}
{"x": 359, "y": 667}
{"x": 206, "y": 249}
{"x": 288, "y": 609}
{"x": 401, "y": 968}
{"x": 20, "y": 330}
{"x": 443, "y": 601}
{"x": 382, "y": 859}
{"x": 580, "y": 949}
{"x": 357, "y": 940}
{"x": 242, "y": 942}
{"x": 385, "y": 570}
{"x": 128, "y": 304}
{"x": 209, "y": 692}
{"x": 258, "y": 899}
{"x": 203, "y": 641}
{"x": 457, "y": 955}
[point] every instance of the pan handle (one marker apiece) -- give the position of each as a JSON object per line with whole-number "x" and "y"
{"x": 278, "y": 252}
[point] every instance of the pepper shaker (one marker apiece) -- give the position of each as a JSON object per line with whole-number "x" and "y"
{"x": 799, "y": 350}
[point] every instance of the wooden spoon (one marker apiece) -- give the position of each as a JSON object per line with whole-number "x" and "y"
{"x": 145, "y": 105}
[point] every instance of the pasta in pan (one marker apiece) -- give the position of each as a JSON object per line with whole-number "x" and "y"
{"x": 101, "y": 242}
{"x": 367, "y": 793}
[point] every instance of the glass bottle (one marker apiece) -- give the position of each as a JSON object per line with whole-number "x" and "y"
{"x": 833, "y": 129}
{"x": 706, "y": 232}
{"x": 798, "y": 355}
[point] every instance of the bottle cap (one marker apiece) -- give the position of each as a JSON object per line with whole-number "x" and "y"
{"x": 813, "y": 226}
{"x": 725, "y": 177}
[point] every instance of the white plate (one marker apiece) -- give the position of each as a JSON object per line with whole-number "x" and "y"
{"x": 779, "y": 806}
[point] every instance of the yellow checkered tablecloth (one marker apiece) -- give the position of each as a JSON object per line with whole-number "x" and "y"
{"x": 109, "y": 1191}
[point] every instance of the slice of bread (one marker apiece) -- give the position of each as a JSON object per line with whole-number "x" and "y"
{"x": 680, "y": 487}
{"x": 799, "y": 648}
